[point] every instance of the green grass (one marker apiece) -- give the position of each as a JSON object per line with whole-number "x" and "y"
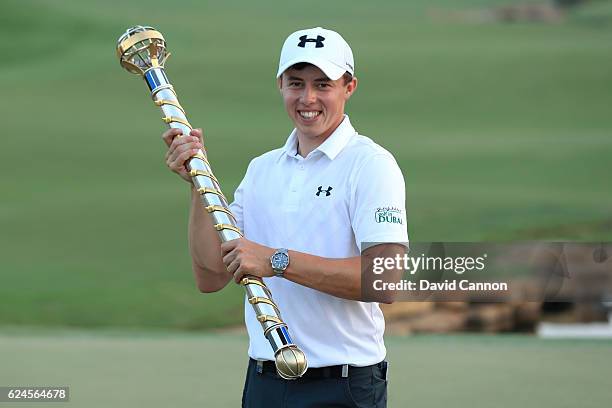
{"x": 161, "y": 369}
{"x": 503, "y": 132}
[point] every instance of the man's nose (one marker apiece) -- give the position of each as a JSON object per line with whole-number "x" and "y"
{"x": 309, "y": 95}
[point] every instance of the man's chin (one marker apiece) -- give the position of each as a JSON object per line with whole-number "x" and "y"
{"x": 311, "y": 132}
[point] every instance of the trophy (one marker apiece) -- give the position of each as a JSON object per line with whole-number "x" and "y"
{"x": 142, "y": 50}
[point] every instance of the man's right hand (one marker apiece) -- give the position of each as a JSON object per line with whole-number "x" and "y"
{"x": 180, "y": 149}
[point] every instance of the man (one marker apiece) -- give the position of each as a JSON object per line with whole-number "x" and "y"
{"x": 318, "y": 200}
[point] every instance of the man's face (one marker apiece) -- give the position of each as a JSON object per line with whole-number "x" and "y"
{"x": 314, "y": 102}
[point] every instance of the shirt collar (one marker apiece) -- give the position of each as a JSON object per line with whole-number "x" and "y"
{"x": 331, "y": 147}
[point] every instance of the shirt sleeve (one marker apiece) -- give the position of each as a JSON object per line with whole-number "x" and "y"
{"x": 378, "y": 205}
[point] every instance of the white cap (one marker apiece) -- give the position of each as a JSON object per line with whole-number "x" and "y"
{"x": 323, "y": 48}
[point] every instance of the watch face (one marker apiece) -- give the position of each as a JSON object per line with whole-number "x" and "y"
{"x": 280, "y": 261}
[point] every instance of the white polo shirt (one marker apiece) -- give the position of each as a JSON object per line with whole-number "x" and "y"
{"x": 347, "y": 191}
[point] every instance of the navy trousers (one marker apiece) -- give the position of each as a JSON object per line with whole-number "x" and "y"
{"x": 365, "y": 387}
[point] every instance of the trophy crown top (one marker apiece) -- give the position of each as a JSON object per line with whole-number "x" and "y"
{"x": 141, "y": 48}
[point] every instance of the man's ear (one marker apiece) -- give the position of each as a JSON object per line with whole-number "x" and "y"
{"x": 279, "y": 82}
{"x": 351, "y": 87}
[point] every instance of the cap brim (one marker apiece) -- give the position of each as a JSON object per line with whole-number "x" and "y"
{"x": 332, "y": 71}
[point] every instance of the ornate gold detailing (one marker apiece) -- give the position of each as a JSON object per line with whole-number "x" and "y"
{"x": 196, "y": 172}
{"x": 204, "y": 173}
{"x": 268, "y": 318}
{"x": 211, "y": 208}
{"x": 253, "y": 300}
{"x": 204, "y": 190}
{"x": 253, "y": 281}
{"x": 136, "y": 38}
{"x": 220, "y": 227}
{"x": 130, "y": 67}
{"x": 153, "y": 55}
{"x": 177, "y": 105}
{"x": 249, "y": 281}
{"x": 140, "y": 49}
{"x": 170, "y": 119}
{"x": 290, "y": 362}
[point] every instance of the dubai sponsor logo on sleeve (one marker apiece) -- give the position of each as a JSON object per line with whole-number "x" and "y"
{"x": 391, "y": 215}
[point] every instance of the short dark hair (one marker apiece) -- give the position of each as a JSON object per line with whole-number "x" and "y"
{"x": 301, "y": 65}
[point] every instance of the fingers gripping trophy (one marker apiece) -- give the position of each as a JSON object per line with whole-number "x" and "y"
{"x": 142, "y": 50}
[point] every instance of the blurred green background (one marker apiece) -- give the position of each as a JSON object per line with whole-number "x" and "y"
{"x": 503, "y": 132}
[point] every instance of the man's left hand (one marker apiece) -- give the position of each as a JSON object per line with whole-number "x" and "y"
{"x": 243, "y": 257}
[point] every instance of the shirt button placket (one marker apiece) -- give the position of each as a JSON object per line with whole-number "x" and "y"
{"x": 297, "y": 180}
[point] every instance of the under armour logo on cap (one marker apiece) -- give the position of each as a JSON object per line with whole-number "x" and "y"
{"x": 318, "y": 41}
{"x": 325, "y": 49}
{"x": 327, "y": 192}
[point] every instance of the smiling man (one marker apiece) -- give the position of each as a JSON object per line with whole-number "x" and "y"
{"x": 307, "y": 210}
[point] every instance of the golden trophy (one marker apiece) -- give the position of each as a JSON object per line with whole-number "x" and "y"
{"x": 142, "y": 50}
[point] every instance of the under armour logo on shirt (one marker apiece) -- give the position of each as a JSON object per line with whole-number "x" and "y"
{"x": 327, "y": 192}
{"x": 304, "y": 39}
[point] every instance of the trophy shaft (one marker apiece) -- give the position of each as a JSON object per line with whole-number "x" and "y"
{"x": 142, "y": 51}
{"x": 165, "y": 97}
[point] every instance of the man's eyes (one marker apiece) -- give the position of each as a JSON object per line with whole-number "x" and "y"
{"x": 297, "y": 84}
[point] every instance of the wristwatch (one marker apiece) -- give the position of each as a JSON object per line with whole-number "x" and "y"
{"x": 280, "y": 261}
